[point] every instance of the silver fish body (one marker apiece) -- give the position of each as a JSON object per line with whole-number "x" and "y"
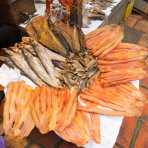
{"x": 20, "y": 62}
{"x": 38, "y": 68}
{"x": 47, "y": 63}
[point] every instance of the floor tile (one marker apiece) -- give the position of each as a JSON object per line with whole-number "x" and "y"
{"x": 126, "y": 132}
{"x": 144, "y": 40}
{"x": 142, "y": 25}
{"x": 133, "y": 19}
{"x": 142, "y": 139}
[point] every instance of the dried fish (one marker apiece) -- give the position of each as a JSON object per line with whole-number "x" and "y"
{"x": 47, "y": 63}
{"x": 38, "y": 68}
{"x": 7, "y": 61}
{"x": 39, "y": 30}
{"x": 52, "y": 55}
{"x": 19, "y": 60}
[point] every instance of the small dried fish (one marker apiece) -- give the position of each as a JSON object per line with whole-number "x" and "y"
{"x": 47, "y": 63}
{"x": 52, "y": 55}
{"x": 19, "y": 60}
{"x": 38, "y": 68}
{"x": 7, "y": 61}
{"x": 76, "y": 41}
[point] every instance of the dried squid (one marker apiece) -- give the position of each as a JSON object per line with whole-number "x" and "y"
{"x": 83, "y": 128}
{"x": 18, "y": 122}
{"x": 104, "y": 39}
{"x": 122, "y": 99}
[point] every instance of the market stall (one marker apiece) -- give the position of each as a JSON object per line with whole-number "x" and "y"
{"x": 78, "y": 85}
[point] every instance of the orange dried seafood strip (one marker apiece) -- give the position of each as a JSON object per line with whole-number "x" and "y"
{"x": 41, "y": 108}
{"x": 69, "y": 108}
{"x": 78, "y": 131}
{"x": 130, "y": 51}
{"x": 89, "y": 106}
{"x": 114, "y": 98}
{"x": 53, "y": 108}
{"x": 122, "y": 66}
{"x": 103, "y": 40}
{"x": 121, "y": 76}
{"x": 17, "y": 110}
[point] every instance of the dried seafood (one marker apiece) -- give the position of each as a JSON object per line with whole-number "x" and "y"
{"x": 122, "y": 99}
{"x": 104, "y": 39}
{"x": 80, "y": 64}
{"x": 73, "y": 80}
{"x": 18, "y": 122}
{"x": 51, "y": 110}
{"x": 83, "y": 128}
{"x": 128, "y": 62}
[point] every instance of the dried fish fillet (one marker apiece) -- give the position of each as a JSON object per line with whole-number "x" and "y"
{"x": 68, "y": 111}
{"x": 126, "y": 51}
{"x": 119, "y": 76}
{"x": 100, "y": 96}
{"x": 41, "y": 108}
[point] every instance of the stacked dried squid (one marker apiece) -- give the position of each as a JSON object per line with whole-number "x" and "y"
{"x": 75, "y": 84}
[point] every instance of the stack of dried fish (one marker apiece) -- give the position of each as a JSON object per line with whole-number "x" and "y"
{"x": 74, "y": 80}
{"x": 104, "y": 39}
{"x": 128, "y": 63}
{"x": 18, "y": 121}
{"x": 67, "y": 63}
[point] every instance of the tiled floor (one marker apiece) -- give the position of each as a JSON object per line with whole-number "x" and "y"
{"x": 134, "y": 131}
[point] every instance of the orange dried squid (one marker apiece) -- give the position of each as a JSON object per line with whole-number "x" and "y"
{"x": 53, "y": 108}
{"x": 85, "y": 126}
{"x": 18, "y": 122}
{"x": 123, "y": 64}
{"x": 104, "y": 39}
{"x": 124, "y": 99}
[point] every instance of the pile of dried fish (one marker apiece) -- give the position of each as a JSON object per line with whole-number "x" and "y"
{"x": 67, "y": 63}
{"x": 18, "y": 121}
{"x": 104, "y": 39}
{"x": 76, "y": 81}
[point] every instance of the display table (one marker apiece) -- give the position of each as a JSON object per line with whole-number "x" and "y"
{"x": 109, "y": 126}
